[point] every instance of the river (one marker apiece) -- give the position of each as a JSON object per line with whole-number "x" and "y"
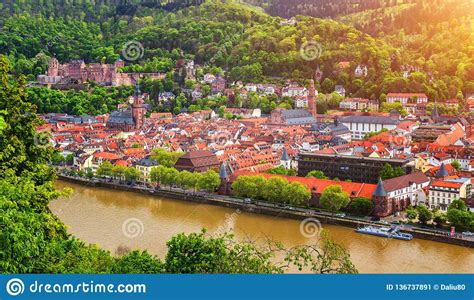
{"x": 111, "y": 218}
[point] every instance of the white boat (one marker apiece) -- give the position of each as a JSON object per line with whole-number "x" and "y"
{"x": 393, "y": 232}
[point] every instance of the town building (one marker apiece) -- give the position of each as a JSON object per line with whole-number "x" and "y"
{"x": 443, "y": 192}
{"x": 348, "y": 167}
{"x": 293, "y": 91}
{"x": 144, "y": 166}
{"x": 362, "y": 125}
{"x": 405, "y": 98}
{"x": 131, "y": 118}
{"x": 408, "y": 188}
{"x": 291, "y": 117}
{"x": 198, "y": 161}
{"x": 359, "y": 104}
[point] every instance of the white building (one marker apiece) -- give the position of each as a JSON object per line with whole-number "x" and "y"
{"x": 294, "y": 91}
{"x": 301, "y": 102}
{"x": 404, "y": 98}
{"x": 443, "y": 192}
{"x": 359, "y": 126}
{"x": 407, "y": 187}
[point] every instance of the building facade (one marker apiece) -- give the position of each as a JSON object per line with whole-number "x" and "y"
{"x": 405, "y": 98}
{"x": 362, "y": 125}
{"x": 443, "y": 192}
{"x": 77, "y": 71}
{"x": 344, "y": 167}
{"x": 198, "y": 161}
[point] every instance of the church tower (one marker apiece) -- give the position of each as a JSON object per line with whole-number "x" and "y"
{"x": 312, "y": 99}
{"x": 138, "y": 108}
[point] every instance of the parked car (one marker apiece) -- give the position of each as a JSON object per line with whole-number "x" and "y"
{"x": 383, "y": 222}
{"x": 375, "y": 219}
{"x": 395, "y": 223}
{"x": 247, "y": 200}
{"x": 467, "y": 233}
{"x": 340, "y": 215}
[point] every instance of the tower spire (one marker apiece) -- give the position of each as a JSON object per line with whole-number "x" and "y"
{"x": 137, "y": 90}
{"x": 312, "y": 99}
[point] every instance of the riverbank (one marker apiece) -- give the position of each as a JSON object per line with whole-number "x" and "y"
{"x": 262, "y": 208}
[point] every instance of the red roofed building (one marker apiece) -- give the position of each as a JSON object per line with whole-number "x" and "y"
{"x": 198, "y": 161}
{"x": 443, "y": 192}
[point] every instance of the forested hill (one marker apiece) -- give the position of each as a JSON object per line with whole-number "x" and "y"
{"x": 242, "y": 40}
{"x": 92, "y": 10}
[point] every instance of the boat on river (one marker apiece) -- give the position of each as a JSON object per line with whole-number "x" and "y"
{"x": 393, "y": 232}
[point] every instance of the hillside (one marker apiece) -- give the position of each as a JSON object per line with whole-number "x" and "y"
{"x": 322, "y": 8}
{"x": 245, "y": 42}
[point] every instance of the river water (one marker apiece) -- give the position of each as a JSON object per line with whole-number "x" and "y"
{"x": 111, "y": 218}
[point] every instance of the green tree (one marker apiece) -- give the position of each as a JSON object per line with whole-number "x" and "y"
{"x": 424, "y": 214}
{"x": 317, "y": 174}
{"x": 57, "y": 158}
{"x": 248, "y": 186}
{"x": 105, "y": 169}
{"x": 118, "y": 171}
{"x": 334, "y": 198}
{"x": 156, "y": 174}
{"x": 439, "y": 218}
{"x": 131, "y": 174}
{"x": 411, "y": 213}
{"x": 330, "y": 258}
{"x": 138, "y": 262}
{"x": 456, "y": 165}
{"x": 164, "y": 157}
{"x": 209, "y": 181}
{"x": 272, "y": 189}
{"x": 198, "y": 253}
{"x": 90, "y": 174}
{"x": 169, "y": 176}
{"x": 389, "y": 172}
{"x": 296, "y": 194}
{"x": 459, "y": 216}
{"x": 360, "y": 206}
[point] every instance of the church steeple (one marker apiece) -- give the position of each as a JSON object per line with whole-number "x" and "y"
{"x": 312, "y": 99}
{"x": 137, "y": 90}
{"x": 138, "y": 108}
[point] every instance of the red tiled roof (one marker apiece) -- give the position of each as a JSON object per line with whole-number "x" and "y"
{"x": 446, "y": 184}
{"x": 106, "y": 155}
